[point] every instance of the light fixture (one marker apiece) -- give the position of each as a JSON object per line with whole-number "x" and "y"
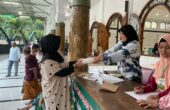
{"x": 166, "y": 16}
{"x": 157, "y": 14}
{"x": 12, "y": 3}
{"x": 24, "y": 16}
{"x": 20, "y": 13}
{"x": 67, "y": 10}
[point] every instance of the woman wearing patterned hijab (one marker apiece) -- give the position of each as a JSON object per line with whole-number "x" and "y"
{"x": 55, "y": 73}
{"x": 126, "y": 53}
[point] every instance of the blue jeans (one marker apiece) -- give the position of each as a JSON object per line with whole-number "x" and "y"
{"x": 10, "y": 67}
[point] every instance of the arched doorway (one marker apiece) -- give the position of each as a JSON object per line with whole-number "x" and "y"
{"x": 114, "y": 23}
{"x": 99, "y": 35}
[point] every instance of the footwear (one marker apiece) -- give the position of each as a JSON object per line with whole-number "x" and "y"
{"x": 7, "y": 76}
{"x": 15, "y": 75}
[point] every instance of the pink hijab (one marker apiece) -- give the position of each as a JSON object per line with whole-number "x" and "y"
{"x": 163, "y": 63}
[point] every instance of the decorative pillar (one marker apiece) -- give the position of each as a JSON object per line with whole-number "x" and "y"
{"x": 60, "y": 31}
{"x": 127, "y": 11}
{"x": 79, "y": 29}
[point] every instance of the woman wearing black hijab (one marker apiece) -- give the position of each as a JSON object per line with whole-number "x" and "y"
{"x": 54, "y": 74}
{"x": 126, "y": 53}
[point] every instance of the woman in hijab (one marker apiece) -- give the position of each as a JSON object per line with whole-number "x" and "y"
{"x": 161, "y": 78}
{"x": 31, "y": 87}
{"x": 55, "y": 74}
{"x": 126, "y": 53}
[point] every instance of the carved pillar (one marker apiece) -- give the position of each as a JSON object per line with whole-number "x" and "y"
{"x": 79, "y": 29}
{"x": 60, "y": 31}
{"x": 102, "y": 36}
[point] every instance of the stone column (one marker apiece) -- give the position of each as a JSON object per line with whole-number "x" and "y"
{"x": 60, "y": 31}
{"x": 79, "y": 29}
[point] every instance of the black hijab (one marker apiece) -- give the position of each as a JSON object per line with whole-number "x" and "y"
{"x": 49, "y": 46}
{"x": 129, "y": 32}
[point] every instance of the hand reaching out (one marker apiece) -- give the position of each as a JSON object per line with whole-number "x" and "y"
{"x": 78, "y": 63}
{"x": 149, "y": 103}
{"x": 98, "y": 59}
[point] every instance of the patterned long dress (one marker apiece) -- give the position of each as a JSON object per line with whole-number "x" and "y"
{"x": 55, "y": 88}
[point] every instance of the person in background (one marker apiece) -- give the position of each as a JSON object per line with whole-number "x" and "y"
{"x": 126, "y": 53}
{"x": 55, "y": 72}
{"x": 160, "y": 80}
{"x": 66, "y": 48}
{"x": 99, "y": 49}
{"x": 14, "y": 58}
{"x": 155, "y": 50}
{"x": 36, "y": 51}
{"x": 31, "y": 85}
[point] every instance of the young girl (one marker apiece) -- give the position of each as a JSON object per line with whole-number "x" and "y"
{"x": 55, "y": 74}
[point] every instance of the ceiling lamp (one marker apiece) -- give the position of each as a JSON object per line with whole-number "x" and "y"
{"x": 12, "y": 3}
{"x": 20, "y": 13}
{"x": 166, "y": 16}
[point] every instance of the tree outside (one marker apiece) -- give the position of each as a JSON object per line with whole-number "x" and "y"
{"x": 22, "y": 29}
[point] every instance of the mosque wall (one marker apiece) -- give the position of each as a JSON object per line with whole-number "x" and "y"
{"x": 105, "y": 8}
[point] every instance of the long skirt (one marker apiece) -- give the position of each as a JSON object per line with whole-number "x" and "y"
{"x": 31, "y": 89}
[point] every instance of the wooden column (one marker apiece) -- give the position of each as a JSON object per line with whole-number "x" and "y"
{"x": 79, "y": 29}
{"x": 60, "y": 31}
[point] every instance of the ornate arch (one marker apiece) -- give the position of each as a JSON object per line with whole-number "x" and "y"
{"x": 112, "y": 18}
{"x": 138, "y": 29}
{"x": 94, "y": 24}
{"x": 146, "y": 10}
{"x": 102, "y": 35}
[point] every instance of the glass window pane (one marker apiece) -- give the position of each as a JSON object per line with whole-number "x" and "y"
{"x": 147, "y": 24}
{"x": 167, "y": 26}
{"x": 162, "y": 26}
{"x": 154, "y": 25}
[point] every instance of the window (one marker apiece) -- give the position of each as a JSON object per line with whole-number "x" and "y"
{"x": 167, "y": 26}
{"x": 162, "y": 26}
{"x": 147, "y": 25}
{"x": 153, "y": 25}
{"x": 114, "y": 23}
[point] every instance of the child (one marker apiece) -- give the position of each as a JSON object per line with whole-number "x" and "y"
{"x": 36, "y": 52}
{"x": 55, "y": 73}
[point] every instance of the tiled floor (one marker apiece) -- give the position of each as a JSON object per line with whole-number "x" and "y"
{"x": 10, "y": 88}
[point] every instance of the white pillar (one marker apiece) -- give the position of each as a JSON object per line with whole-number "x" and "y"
{"x": 60, "y": 10}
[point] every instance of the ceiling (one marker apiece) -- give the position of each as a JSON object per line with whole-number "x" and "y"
{"x": 43, "y": 9}
{"x": 35, "y": 8}
{"x": 159, "y": 13}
